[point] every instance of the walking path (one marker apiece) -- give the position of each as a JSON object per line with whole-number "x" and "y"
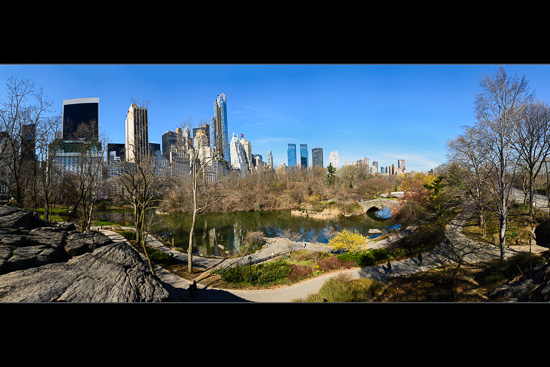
{"x": 456, "y": 248}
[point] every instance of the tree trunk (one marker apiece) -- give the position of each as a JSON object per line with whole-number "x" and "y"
{"x": 190, "y": 247}
{"x": 143, "y": 237}
{"x": 531, "y": 199}
{"x": 482, "y": 221}
{"x": 502, "y": 232}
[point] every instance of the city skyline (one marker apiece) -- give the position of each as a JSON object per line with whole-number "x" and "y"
{"x": 384, "y": 112}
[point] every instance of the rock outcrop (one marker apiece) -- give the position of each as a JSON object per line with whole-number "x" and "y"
{"x": 534, "y": 289}
{"x": 42, "y": 261}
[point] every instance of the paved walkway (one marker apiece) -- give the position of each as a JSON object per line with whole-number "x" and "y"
{"x": 456, "y": 248}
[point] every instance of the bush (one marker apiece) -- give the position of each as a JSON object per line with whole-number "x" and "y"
{"x": 159, "y": 257}
{"x": 262, "y": 274}
{"x": 342, "y": 288}
{"x": 333, "y": 263}
{"x": 253, "y": 241}
{"x": 129, "y": 235}
{"x": 367, "y": 258}
{"x": 348, "y": 241}
{"x": 299, "y": 272}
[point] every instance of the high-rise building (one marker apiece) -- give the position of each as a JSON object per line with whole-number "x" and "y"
{"x": 205, "y": 128}
{"x": 137, "y": 133}
{"x": 80, "y": 119}
{"x": 79, "y": 146}
{"x": 28, "y": 142}
{"x": 115, "y": 152}
{"x": 374, "y": 168}
{"x": 363, "y": 163}
{"x": 270, "y": 159}
{"x": 317, "y": 156}
{"x": 401, "y": 164}
{"x": 248, "y": 151}
{"x": 303, "y": 155}
{"x": 187, "y": 140}
{"x": 220, "y": 132}
{"x": 333, "y": 159}
{"x": 169, "y": 142}
{"x": 238, "y": 155}
{"x": 291, "y": 155}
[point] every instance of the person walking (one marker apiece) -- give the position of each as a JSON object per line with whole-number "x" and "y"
{"x": 420, "y": 258}
{"x": 193, "y": 290}
{"x": 389, "y": 267}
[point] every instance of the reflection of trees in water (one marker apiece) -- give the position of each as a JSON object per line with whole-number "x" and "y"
{"x": 230, "y": 229}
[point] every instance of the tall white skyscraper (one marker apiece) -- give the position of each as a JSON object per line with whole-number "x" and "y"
{"x": 248, "y": 151}
{"x": 270, "y": 159}
{"x": 333, "y": 159}
{"x": 137, "y": 133}
{"x": 238, "y": 155}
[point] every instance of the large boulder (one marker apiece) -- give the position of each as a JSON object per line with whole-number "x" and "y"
{"x": 79, "y": 243}
{"x": 542, "y": 234}
{"x": 42, "y": 261}
{"x": 113, "y": 273}
{"x": 14, "y": 217}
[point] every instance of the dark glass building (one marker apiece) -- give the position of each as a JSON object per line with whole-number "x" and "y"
{"x": 317, "y": 156}
{"x": 291, "y": 155}
{"x": 303, "y": 155}
{"x": 81, "y": 119}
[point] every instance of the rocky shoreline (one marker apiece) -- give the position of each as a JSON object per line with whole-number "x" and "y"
{"x": 42, "y": 261}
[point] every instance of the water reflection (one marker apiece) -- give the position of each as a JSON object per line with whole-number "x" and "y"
{"x": 224, "y": 233}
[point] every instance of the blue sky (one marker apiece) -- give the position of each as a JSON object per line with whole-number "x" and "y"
{"x": 383, "y": 112}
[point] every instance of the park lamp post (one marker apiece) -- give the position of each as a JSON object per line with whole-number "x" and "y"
{"x": 250, "y": 268}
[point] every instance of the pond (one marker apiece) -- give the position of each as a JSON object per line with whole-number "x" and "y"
{"x": 216, "y": 233}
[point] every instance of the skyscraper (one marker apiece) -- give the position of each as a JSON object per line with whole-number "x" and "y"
{"x": 333, "y": 159}
{"x": 291, "y": 155}
{"x": 220, "y": 131}
{"x": 238, "y": 155}
{"x": 169, "y": 142}
{"x": 206, "y": 129}
{"x": 270, "y": 159}
{"x": 80, "y": 118}
{"x": 137, "y": 133}
{"x": 303, "y": 155}
{"x": 317, "y": 156}
{"x": 247, "y": 150}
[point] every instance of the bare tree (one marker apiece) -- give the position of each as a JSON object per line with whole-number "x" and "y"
{"x": 465, "y": 151}
{"x": 532, "y": 143}
{"x": 497, "y": 107}
{"x": 21, "y": 113}
{"x": 49, "y": 173}
{"x": 203, "y": 173}
{"x": 143, "y": 183}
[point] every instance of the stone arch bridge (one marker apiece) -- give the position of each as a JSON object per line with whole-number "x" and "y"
{"x": 379, "y": 204}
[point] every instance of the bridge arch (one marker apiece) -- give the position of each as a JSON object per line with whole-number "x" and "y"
{"x": 378, "y": 204}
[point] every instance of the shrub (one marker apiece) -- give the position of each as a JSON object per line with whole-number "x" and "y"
{"x": 253, "y": 241}
{"x": 299, "y": 272}
{"x": 262, "y": 274}
{"x": 160, "y": 257}
{"x": 333, "y": 263}
{"x": 129, "y": 235}
{"x": 348, "y": 241}
{"x": 367, "y": 258}
{"x": 342, "y": 288}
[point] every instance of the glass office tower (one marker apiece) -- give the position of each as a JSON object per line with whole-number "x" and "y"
{"x": 303, "y": 155}
{"x": 317, "y": 156}
{"x": 81, "y": 119}
{"x": 291, "y": 155}
{"x": 220, "y": 129}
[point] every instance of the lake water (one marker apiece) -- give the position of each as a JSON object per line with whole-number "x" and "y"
{"x": 230, "y": 229}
